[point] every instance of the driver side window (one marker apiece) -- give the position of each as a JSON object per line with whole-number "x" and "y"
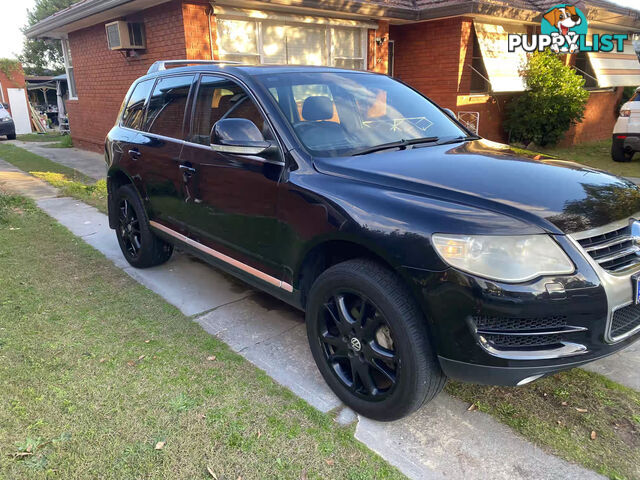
{"x": 220, "y": 98}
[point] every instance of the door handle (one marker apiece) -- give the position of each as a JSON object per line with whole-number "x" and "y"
{"x": 134, "y": 153}
{"x": 187, "y": 169}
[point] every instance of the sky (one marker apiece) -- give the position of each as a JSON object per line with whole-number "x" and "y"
{"x": 14, "y": 16}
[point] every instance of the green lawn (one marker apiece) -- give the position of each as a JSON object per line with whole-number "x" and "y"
{"x": 597, "y": 155}
{"x": 71, "y": 182}
{"x": 97, "y": 373}
{"x": 40, "y": 137}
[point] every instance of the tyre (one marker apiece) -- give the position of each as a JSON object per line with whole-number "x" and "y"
{"x": 139, "y": 245}
{"x": 11, "y": 137}
{"x": 618, "y": 153}
{"x": 370, "y": 342}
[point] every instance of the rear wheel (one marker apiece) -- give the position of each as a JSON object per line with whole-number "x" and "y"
{"x": 618, "y": 152}
{"x": 11, "y": 137}
{"x": 139, "y": 245}
{"x": 370, "y": 341}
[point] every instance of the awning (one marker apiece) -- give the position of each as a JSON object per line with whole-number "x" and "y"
{"x": 616, "y": 69}
{"x": 503, "y": 67}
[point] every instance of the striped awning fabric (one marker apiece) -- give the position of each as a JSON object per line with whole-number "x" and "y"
{"x": 616, "y": 69}
{"x": 503, "y": 67}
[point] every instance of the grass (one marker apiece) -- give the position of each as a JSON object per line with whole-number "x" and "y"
{"x": 93, "y": 194}
{"x": 71, "y": 182}
{"x": 560, "y": 413}
{"x": 596, "y": 155}
{"x": 30, "y": 162}
{"x": 56, "y": 140}
{"x": 40, "y": 137}
{"x": 101, "y": 378}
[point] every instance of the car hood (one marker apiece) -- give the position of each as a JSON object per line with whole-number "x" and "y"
{"x": 558, "y": 196}
{"x": 4, "y": 113}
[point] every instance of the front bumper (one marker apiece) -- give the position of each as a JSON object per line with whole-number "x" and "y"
{"x": 7, "y": 128}
{"x": 508, "y": 334}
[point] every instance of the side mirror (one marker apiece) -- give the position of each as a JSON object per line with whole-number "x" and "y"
{"x": 450, "y": 113}
{"x": 237, "y": 135}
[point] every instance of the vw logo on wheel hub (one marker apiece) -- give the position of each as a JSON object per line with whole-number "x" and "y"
{"x": 355, "y": 344}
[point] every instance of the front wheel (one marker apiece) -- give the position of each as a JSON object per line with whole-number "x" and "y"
{"x": 139, "y": 245}
{"x": 370, "y": 341}
{"x": 11, "y": 136}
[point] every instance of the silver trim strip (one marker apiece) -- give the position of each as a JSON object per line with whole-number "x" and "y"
{"x": 566, "y": 350}
{"x": 609, "y": 227}
{"x": 610, "y": 243}
{"x": 618, "y": 254}
{"x": 225, "y": 258}
{"x": 530, "y": 333}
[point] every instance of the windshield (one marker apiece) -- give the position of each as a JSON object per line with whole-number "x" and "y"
{"x": 346, "y": 113}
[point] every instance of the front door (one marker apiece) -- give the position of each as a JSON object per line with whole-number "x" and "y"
{"x": 232, "y": 197}
{"x": 158, "y": 148}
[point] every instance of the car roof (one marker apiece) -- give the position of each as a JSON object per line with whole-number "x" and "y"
{"x": 242, "y": 70}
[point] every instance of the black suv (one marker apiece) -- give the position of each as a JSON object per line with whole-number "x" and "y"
{"x": 417, "y": 250}
{"x": 7, "y": 126}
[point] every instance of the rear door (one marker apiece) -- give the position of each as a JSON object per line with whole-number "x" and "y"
{"x": 232, "y": 197}
{"x": 158, "y": 148}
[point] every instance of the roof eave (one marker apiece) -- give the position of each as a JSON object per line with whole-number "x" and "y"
{"x": 73, "y": 14}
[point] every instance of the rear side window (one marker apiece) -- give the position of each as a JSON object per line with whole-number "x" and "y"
{"x": 167, "y": 104}
{"x": 220, "y": 98}
{"x": 134, "y": 112}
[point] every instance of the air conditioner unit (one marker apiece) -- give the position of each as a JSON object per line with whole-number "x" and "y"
{"x": 125, "y": 36}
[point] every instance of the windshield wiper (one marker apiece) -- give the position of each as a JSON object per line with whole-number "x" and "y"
{"x": 446, "y": 141}
{"x": 401, "y": 144}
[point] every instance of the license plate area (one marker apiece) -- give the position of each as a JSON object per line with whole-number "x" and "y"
{"x": 635, "y": 279}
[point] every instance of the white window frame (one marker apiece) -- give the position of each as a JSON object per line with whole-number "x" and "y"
{"x": 68, "y": 67}
{"x": 2, "y": 93}
{"x": 260, "y": 18}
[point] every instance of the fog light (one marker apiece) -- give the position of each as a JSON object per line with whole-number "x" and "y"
{"x": 530, "y": 379}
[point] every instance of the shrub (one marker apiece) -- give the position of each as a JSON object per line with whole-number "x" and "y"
{"x": 554, "y": 100}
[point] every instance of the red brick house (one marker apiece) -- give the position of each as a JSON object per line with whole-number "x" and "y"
{"x": 452, "y": 50}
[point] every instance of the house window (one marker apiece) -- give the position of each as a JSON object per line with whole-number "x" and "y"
{"x": 479, "y": 82}
{"x": 269, "y": 42}
{"x": 584, "y": 69}
{"x": 68, "y": 66}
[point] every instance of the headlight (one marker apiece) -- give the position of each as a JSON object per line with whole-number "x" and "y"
{"x": 6, "y": 119}
{"x": 509, "y": 259}
{"x": 625, "y": 113}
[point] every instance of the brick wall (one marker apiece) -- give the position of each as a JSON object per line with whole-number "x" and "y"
{"x": 600, "y": 116}
{"x": 104, "y": 76}
{"x": 378, "y": 55}
{"x": 434, "y": 57}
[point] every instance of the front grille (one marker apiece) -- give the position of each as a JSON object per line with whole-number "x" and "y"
{"x": 624, "y": 320}
{"x": 613, "y": 250}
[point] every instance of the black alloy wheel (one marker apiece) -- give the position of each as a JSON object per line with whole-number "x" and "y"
{"x": 129, "y": 228}
{"x": 358, "y": 345}
{"x": 141, "y": 247}
{"x": 370, "y": 340}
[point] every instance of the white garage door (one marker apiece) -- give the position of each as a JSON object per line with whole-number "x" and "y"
{"x": 19, "y": 110}
{"x": 275, "y": 41}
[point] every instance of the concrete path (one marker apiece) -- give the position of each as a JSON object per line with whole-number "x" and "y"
{"x": 90, "y": 163}
{"x": 442, "y": 440}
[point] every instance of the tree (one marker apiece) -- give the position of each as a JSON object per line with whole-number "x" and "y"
{"x": 554, "y": 100}
{"x": 42, "y": 57}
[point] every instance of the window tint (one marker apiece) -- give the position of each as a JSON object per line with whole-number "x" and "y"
{"x": 220, "y": 98}
{"x": 134, "y": 112}
{"x": 166, "y": 106}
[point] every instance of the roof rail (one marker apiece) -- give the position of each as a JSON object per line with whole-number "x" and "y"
{"x": 162, "y": 64}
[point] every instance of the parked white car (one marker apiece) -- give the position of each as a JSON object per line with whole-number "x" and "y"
{"x": 626, "y": 132}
